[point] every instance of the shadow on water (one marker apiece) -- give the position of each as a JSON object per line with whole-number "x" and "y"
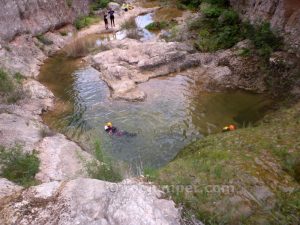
{"x": 175, "y": 113}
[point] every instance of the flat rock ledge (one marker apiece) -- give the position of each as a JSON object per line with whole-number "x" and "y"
{"x": 130, "y": 62}
{"x": 89, "y": 201}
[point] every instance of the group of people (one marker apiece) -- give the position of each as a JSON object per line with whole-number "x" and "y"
{"x": 111, "y": 17}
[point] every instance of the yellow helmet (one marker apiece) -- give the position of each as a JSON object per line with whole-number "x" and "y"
{"x": 109, "y": 124}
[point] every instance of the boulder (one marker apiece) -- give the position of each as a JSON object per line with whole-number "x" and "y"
{"x": 60, "y": 159}
{"x": 88, "y": 201}
{"x": 130, "y": 62}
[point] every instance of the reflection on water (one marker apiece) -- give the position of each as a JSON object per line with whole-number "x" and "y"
{"x": 175, "y": 113}
{"x": 141, "y": 22}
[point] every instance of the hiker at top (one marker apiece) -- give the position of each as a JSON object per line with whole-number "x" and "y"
{"x": 105, "y": 20}
{"x": 111, "y": 17}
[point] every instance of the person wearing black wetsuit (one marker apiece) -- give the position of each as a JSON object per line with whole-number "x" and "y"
{"x": 116, "y": 132}
{"x": 111, "y": 17}
{"x": 105, "y": 21}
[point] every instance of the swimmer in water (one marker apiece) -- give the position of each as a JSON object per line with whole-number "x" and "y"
{"x": 111, "y": 130}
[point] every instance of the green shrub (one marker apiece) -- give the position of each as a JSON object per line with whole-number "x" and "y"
{"x": 19, "y": 78}
{"x": 18, "y": 166}
{"x": 99, "y": 4}
{"x": 230, "y": 17}
{"x": 217, "y": 2}
{"x": 10, "y": 89}
{"x": 44, "y": 40}
{"x": 212, "y": 11}
{"x": 228, "y": 36}
{"x": 6, "y": 82}
{"x": 63, "y": 33}
{"x": 85, "y": 21}
{"x": 245, "y": 52}
{"x": 263, "y": 38}
{"x": 102, "y": 167}
{"x": 190, "y": 3}
{"x": 156, "y": 26}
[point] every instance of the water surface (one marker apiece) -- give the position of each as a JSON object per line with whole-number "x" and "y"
{"x": 175, "y": 113}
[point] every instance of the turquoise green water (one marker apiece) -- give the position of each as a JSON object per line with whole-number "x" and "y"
{"x": 175, "y": 113}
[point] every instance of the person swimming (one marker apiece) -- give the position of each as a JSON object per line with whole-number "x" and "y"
{"x": 111, "y": 130}
{"x": 229, "y": 128}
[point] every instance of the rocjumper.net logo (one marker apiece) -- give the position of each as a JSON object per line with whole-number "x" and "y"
{"x": 180, "y": 188}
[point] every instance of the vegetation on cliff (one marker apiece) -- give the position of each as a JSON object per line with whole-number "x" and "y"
{"x": 10, "y": 87}
{"x": 18, "y": 166}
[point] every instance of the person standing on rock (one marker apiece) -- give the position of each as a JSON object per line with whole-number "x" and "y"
{"x": 111, "y": 17}
{"x": 106, "y": 21}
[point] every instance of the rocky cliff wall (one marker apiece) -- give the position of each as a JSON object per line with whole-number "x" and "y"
{"x": 283, "y": 15}
{"x": 37, "y": 16}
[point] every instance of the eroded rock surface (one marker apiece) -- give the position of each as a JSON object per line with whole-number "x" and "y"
{"x": 8, "y": 188}
{"x": 61, "y": 159}
{"x": 130, "y": 62}
{"x": 37, "y": 16}
{"x": 88, "y": 201}
{"x": 283, "y": 15}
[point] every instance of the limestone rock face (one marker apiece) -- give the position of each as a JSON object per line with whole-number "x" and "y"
{"x": 61, "y": 159}
{"x": 283, "y": 15}
{"x": 39, "y": 98}
{"x": 131, "y": 62}
{"x": 8, "y": 188}
{"x": 88, "y": 201}
{"x": 18, "y": 130}
{"x": 37, "y": 16}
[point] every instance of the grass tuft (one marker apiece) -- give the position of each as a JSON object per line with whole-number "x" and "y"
{"x": 102, "y": 167}
{"x": 156, "y": 26}
{"x": 18, "y": 166}
{"x": 44, "y": 40}
{"x": 10, "y": 87}
{"x": 85, "y": 21}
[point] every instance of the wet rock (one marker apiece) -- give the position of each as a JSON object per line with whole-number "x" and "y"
{"x": 88, "y": 201}
{"x": 131, "y": 62}
{"x": 61, "y": 159}
{"x": 8, "y": 188}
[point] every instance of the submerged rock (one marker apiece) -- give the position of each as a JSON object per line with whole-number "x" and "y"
{"x": 88, "y": 201}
